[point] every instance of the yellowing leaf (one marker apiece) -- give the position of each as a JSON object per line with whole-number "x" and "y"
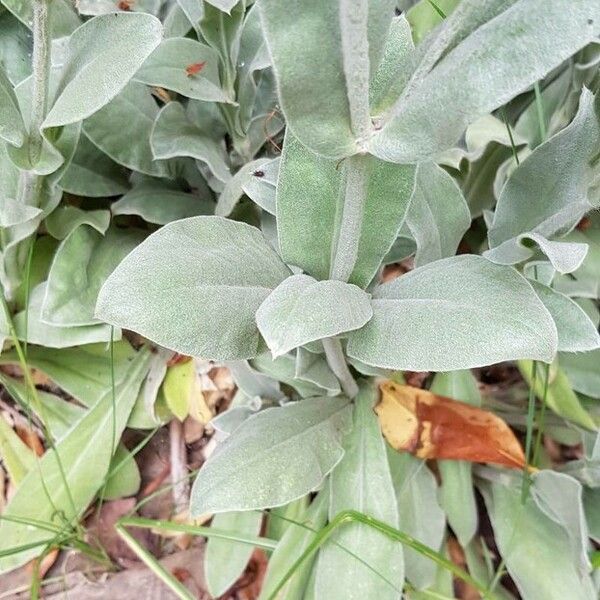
{"x": 18, "y": 458}
{"x": 183, "y": 392}
{"x": 431, "y": 426}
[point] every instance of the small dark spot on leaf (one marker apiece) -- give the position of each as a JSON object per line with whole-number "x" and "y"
{"x": 397, "y": 12}
{"x": 258, "y": 173}
{"x": 590, "y": 21}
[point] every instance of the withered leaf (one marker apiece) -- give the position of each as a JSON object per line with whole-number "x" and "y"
{"x": 431, "y": 426}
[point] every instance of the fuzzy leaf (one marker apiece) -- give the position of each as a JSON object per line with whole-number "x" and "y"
{"x": 438, "y": 215}
{"x": 532, "y": 545}
{"x": 274, "y": 457}
{"x": 92, "y": 173}
{"x": 308, "y": 195}
{"x": 102, "y": 56}
{"x": 420, "y": 514}
{"x": 362, "y": 481}
{"x": 549, "y": 191}
{"x": 81, "y": 265}
{"x": 174, "y": 135}
{"x": 497, "y": 61}
{"x": 204, "y": 275}
{"x": 576, "y": 332}
{"x": 302, "y": 309}
{"x": 482, "y": 314}
{"x": 129, "y": 116}
{"x": 186, "y": 67}
{"x": 324, "y": 54}
{"x": 294, "y": 541}
{"x": 160, "y": 204}
{"x": 456, "y": 491}
{"x": 224, "y": 560}
{"x": 12, "y": 128}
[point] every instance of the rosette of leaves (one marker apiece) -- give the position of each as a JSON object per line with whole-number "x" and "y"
{"x": 404, "y": 135}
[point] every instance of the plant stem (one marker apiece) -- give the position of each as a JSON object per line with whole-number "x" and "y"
{"x": 41, "y": 73}
{"x": 350, "y": 220}
{"x": 337, "y": 363}
{"x": 178, "y": 456}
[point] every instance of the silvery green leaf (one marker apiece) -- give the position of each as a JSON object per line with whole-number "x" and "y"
{"x": 395, "y": 68}
{"x": 176, "y": 24}
{"x": 234, "y": 190}
{"x": 13, "y": 212}
{"x": 274, "y": 457}
{"x": 438, "y": 215}
{"x": 309, "y": 191}
{"x": 253, "y": 383}
{"x": 223, "y": 5}
{"x": 585, "y": 281}
{"x": 253, "y": 56}
{"x": 482, "y": 313}
{"x": 583, "y": 371}
{"x": 565, "y": 257}
{"x": 103, "y": 55}
{"x": 129, "y": 116}
{"x": 12, "y": 128}
{"x": 92, "y": 173}
{"x": 293, "y": 542}
{"x": 497, "y": 61}
{"x": 541, "y": 271}
{"x": 284, "y": 369}
{"x": 80, "y": 267}
{"x": 160, "y": 204}
{"x": 549, "y": 191}
{"x": 166, "y": 67}
{"x": 15, "y": 48}
{"x": 87, "y": 443}
{"x": 202, "y": 274}
{"x": 63, "y": 18}
{"x": 420, "y": 514}
{"x": 478, "y": 137}
{"x": 362, "y": 482}
{"x": 559, "y": 497}
{"x": 457, "y": 496}
{"x": 193, "y": 11}
{"x": 261, "y": 185}
{"x": 222, "y": 32}
{"x": 576, "y": 332}
{"x": 532, "y": 545}
{"x": 226, "y": 560}
{"x": 61, "y": 222}
{"x": 302, "y": 310}
{"x": 324, "y": 55}
{"x": 591, "y": 503}
{"x": 591, "y": 309}
{"x": 174, "y": 135}
{"x": 103, "y": 7}
{"x": 31, "y": 327}
{"x": 313, "y": 368}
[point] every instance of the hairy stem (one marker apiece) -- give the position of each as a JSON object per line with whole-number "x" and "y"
{"x": 41, "y": 72}
{"x": 337, "y": 363}
{"x": 350, "y": 220}
{"x": 181, "y": 487}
